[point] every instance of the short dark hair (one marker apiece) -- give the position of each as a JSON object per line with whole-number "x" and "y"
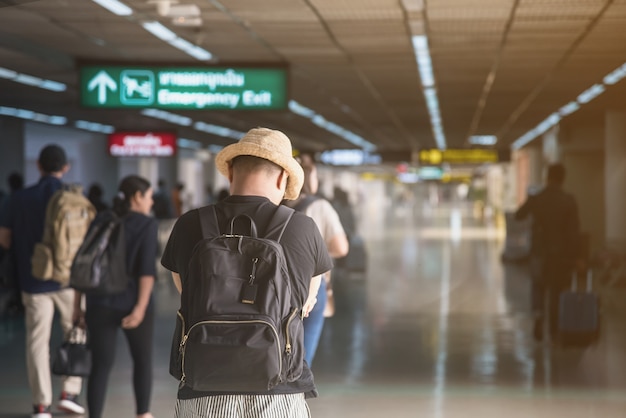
{"x": 250, "y": 163}
{"x": 556, "y": 173}
{"x": 52, "y": 159}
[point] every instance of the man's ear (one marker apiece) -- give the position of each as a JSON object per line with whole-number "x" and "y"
{"x": 282, "y": 177}
{"x": 65, "y": 168}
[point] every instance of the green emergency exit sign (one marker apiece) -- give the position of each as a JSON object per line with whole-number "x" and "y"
{"x": 186, "y": 88}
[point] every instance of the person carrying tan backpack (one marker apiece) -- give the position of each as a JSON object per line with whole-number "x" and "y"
{"x": 68, "y": 216}
{"x": 21, "y": 230}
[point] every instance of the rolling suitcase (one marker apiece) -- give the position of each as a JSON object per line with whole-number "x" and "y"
{"x": 579, "y": 314}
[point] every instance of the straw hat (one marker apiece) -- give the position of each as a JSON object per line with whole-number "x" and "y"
{"x": 268, "y": 144}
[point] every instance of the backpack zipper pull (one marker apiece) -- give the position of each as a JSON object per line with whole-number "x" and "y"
{"x": 255, "y": 260}
{"x": 249, "y": 291}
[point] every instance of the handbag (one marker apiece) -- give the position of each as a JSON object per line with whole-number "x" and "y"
{"x": 73, "y": 357}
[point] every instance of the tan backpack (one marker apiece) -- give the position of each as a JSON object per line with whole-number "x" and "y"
{"x": 68, "y": 216}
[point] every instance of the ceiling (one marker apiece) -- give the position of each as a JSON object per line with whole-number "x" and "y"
{"x": 500, "y": 66}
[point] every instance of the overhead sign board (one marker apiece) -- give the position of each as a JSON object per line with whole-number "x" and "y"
{"x": 462, "y": 156}
{"x": 184, "y": 88}
{"x": 348, "y": 157}
{"x": 430, "y": 173}
{"x": 142, "y": 144}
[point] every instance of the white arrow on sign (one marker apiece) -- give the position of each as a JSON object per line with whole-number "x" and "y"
{"x": 102, "y": 80}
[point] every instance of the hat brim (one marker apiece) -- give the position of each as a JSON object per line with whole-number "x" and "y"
{"x": 295, "y": 173}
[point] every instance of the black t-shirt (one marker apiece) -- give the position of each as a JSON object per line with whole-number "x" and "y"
{"x": 305, "y": 253}
{"x": 140, "y": 232}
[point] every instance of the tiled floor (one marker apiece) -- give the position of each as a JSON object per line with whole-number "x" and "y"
{"x": 437, "y": 327}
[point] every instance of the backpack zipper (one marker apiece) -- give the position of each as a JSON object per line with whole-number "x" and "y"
{"x": 182, "y": 332}
{"x": 252, "y": 321}
{"x": 181, "y": 347}
{"x": 287, "y": 336}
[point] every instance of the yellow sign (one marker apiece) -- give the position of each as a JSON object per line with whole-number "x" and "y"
{"x": 458, "y": 156}
{"x": 456, "y": 178}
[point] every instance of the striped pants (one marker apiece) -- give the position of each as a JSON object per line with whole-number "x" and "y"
{"x": 244, "y": 406}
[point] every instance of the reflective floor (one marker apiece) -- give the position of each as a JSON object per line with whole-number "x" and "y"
{"x": 437, "y": 327}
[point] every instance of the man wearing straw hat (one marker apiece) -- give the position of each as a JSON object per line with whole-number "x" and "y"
{"x": 262, "y": 172}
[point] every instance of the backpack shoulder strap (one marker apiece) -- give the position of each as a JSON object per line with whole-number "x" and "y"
{"x": 278, "y": 223}
{"x": 208, "y": 221}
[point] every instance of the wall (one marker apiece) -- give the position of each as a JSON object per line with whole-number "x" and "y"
{"x": 86, "y": 151}
{"x": 11, "y": 146}
{"x": 582, "y": 153}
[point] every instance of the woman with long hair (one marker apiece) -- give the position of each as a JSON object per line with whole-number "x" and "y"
{"x": 131, "y": 310}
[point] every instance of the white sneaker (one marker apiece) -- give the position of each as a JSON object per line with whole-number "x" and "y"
{"x": 69, "y": 404}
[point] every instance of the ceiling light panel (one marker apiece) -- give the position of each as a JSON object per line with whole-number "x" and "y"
{"x": 183, "y": 10}
{"x": 115, "y": 6}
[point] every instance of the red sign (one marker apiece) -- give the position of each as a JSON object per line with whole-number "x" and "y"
{"x": 142, "y": 144}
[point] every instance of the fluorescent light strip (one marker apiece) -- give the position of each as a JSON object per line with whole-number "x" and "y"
{"x": 34, "y": 116}
{"x": 483, "y": 140}
{"x": 188, "y": 143}
{"x": 320, "y": 121}
{"x": 165, "y": 34}
{"x": 569, "y": 108}
{"x": 590, "y": 94}
{"x": 167, "y": 116}
{"x": 115, "y": 6}
{"x": 158, "y": 30}
{"x": 424, "y": 63}
{"x": 30, "y": 80}
{"x": 540, "y": 129}
{"x": 585, "y": 97}
{"x": 425, "y": 68}
{"x": 199, "y": 126}
{"x": 94, "y": 127}
{"x": 615, "y": 76}
{"x": 218, "y": 130}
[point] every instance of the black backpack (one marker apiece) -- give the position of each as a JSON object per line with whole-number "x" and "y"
{"x": 237, "y": 329}
{"x": 99, "y": 266}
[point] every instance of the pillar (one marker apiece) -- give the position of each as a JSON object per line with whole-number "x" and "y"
{"x": 615, "y": 177}
{"x": 12, "y": 149}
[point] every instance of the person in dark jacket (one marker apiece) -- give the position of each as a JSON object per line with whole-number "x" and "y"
{"x": 131, "y": 310}
{"x": 555, "y": 240}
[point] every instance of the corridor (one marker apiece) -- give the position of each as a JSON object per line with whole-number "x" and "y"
{"x": 438, "y": 327}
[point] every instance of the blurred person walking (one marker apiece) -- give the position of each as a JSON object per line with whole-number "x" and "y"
{"x": 162, "y": 207}
{"x": 178, "y": 199}
{"x": 94, "y": 194}
{"x": 21, "y": 229}
{"x": 327, "y": 220}
{"x": 132, "y": 310}
{"x": 554, "y": 249}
